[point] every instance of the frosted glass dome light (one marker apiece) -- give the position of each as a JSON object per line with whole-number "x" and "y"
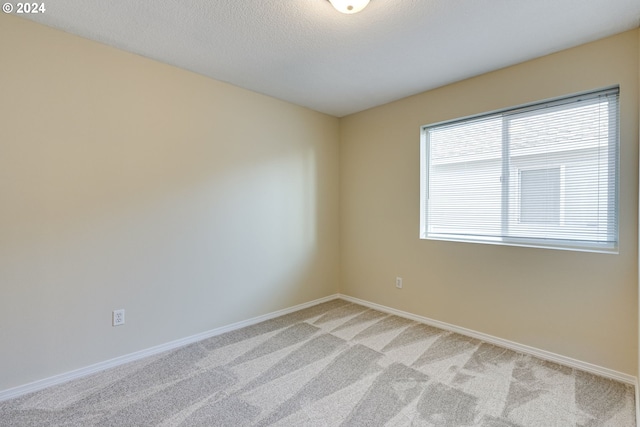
{"x": 349, "y": 6}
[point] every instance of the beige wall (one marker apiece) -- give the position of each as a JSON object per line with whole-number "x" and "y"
{"x": 193, "y": 204}
{"x": 126, "y": 183}
{"x": 581, "y": 305}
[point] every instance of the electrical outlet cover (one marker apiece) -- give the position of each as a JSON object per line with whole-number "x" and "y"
{"x": 118, "y": 317}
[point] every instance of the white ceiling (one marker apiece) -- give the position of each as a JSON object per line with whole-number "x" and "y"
{"x": 305, "y": 52}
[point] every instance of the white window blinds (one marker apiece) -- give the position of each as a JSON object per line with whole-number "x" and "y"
{"x": 541, "y": 175}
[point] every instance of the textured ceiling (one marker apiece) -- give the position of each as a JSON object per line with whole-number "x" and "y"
{"x": 305, "y": 52}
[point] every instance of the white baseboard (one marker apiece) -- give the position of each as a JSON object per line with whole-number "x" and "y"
{"x": 101, "y": 366}
{"x": 520, "y": 348}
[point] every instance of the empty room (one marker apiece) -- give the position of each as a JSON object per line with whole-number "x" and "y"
{"x": 319, "y": 213}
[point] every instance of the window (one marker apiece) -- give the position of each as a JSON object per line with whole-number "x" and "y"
{"x": 543, "y": 175}
{"x": 540, "y": 207}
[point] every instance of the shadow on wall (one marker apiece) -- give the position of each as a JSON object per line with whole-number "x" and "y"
{"x": 185, "y": 237}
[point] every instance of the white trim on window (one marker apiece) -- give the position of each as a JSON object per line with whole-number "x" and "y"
{"x": 471, "y": 175}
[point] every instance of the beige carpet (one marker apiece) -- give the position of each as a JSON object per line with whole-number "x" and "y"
{"x": 334, "y": 364}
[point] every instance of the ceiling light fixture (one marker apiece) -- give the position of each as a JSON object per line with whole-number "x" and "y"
{"x": 349, "y": 6}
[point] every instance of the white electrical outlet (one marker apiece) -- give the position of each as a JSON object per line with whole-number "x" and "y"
{"x": 399, "y": 282}
{"x": 118, "y": 317}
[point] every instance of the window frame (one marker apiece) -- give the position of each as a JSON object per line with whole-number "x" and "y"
{"x": 506, "y": 199}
